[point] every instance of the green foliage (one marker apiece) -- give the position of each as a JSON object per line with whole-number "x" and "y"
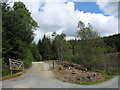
{"x": 35, "y": 52}
{"x": 86, "y": 33}
{"x": 45, "y": 48}
{"x": 113, "y": 42}
{"x": 91, "y": 47}
{"x": 63, "y": 47}
{"x": 57, "y": 49}
{"x": 17, "y": 32}
{"x": 28, "y": 59}
{"x": 112, "y": 63}
{"x": 59, "y": 43}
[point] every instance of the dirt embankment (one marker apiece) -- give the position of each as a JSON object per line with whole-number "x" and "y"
{"x": 75, "y": 73}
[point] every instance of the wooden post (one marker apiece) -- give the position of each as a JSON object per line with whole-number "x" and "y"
{"x": 23, "y": 67}
{"x": 53, "y": 64}
{"x": 11, "y": 73}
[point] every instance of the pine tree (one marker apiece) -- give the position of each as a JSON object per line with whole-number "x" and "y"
{"x": 18, "y": 27}
{"x": 45, "y": 48}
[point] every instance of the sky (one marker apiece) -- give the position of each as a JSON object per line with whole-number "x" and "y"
{"x": 88, "y": 7}
{"x": 63, "y": 16}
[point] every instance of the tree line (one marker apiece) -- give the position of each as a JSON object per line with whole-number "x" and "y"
{"x": 92, "y": 50}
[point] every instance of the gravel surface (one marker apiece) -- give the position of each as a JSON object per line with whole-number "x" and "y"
{"x": 39, "y": 76}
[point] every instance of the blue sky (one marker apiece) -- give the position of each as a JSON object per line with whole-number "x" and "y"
{"x": 88, "y": 7}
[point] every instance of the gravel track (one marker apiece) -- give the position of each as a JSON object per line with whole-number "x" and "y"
{"x": 39, "y": 76}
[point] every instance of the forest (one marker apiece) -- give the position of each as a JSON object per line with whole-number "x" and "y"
{"x": 91, "y": 50}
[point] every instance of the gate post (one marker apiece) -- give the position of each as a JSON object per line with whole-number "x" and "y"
{"x": 53, "y": 64}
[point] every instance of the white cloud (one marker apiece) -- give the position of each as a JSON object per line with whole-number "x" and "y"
{"x": 38, "y": 35}
{"x": 61, "y": 17}
{"x": 105, "y": 25}
{"x": 110, "y": 8}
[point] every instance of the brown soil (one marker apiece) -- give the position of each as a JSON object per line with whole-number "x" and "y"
{"x": 65, "y": 72}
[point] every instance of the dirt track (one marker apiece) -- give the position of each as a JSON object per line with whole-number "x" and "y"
{"x": 39, "y": 76}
